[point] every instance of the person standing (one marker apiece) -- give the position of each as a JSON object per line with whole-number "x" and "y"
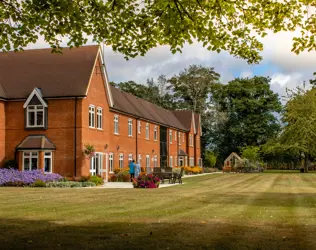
{"x": 137, "y": 169}
{"x": 132, "y": 169}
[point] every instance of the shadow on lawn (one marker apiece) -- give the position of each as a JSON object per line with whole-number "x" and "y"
{"x": 30, "y": 234}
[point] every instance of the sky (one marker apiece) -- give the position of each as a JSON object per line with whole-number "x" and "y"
{"x": 285, "y": 68}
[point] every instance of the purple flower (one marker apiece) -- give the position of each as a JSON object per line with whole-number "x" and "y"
{"x": 12, "y": 177}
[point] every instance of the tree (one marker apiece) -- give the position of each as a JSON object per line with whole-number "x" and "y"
{"x": 299, "y": 132}
{"x": 251, "y": 153}
{"x": 209, "y": 159}
{"x": 192, "y": 87}
{"x": 250, "y": 109}
{"x": 133, "y": 27}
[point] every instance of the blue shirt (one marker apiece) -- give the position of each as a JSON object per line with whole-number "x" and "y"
{"x": 131, "y": 168}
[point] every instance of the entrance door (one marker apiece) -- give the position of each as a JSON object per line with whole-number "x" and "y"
{"x": 96, "y": 164}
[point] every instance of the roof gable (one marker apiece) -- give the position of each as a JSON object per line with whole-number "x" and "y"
{"x": 58, "y": 75}
{"x": 36, "y": 93}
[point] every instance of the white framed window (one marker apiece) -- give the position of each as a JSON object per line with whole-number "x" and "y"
{"x": 96, "y": 164}
{"x": 116, "y": 124}
{"x": 183, "y": 137}
{"x": 171, "y": 162}
{"x": 191, "y": 161}
{"x": 91, "y": 116}
{"x": 176, "y": 161}
{"x": 147, "y": 131}
{"x": 111, "y": 162}
{"x": 30, "y": 161}
{"x": 170, "y": 136}
{"x": 99, "y": 118}
{"x": 121, "y": 161}
{"x": 130, "y": 127}
{"x": 140, "y": 159}
{"x": 155, "y": 161}
{"x": 130, "y": 158}
{"x": 179, "y": 138}
{"x": 48, "y": 162}
{"x": 155, "y": 133}
{"x": 35, "y": 116}
{"x": 139, "y": 125}
{"x": 147, "y": 161}
{"x": 175, "y": 135}
{"x": 190, "y": 140}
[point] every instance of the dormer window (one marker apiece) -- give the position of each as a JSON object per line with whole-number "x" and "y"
{"x": 35, "y": 111}
{"x": 35, "y": 116}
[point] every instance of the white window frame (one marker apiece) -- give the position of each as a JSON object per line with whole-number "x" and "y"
{"x": 170, "y": 136}
{"x": 155, "y": 161}
{"x": 179, "y": 138}
{"x": 116, "y": 124}
{"x": 91, "y": 116}
{"x": 130, "y": 158}
{"x": 96, "y": 164}
{"x": 147, "y": 161}
{"x": 111, "y": 162}
{"x": 155, "y": 133}
{"x": 190, "y": 140}
{"x": 50, "y": 156}
{"x": 183, "y": 137}
{"x": 30, "y": 157}
{"x": 139, "y": 127}
{"x": 99, "y": 118}
{"x": 191, "y": 161}
{"x": 37, "y": 109}
{"x": 139, "y": 159}
{"x": 130, "y": 127}
{"x": 175, "y": 135}
{"x": 121, "y": 161}
{"x": 147, "y": 131}
{"x": 171, "y": 162}
{"x": 176, "y": 161}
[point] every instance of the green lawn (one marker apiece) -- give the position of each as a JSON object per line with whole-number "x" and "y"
{"x": 219, "y": 211}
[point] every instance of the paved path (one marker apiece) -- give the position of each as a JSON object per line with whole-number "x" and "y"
{"x": 130, "y": 185}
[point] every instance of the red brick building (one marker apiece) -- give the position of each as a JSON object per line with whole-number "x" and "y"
{"x": 52, "y": 106}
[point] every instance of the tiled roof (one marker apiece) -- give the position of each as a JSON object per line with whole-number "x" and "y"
{"x": 57, "y": 75}
{"x": 36, "y": 142}
{"x": 135, "y": 106}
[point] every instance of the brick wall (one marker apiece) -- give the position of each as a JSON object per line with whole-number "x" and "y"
{"x": 2, "y": 132}
{"x": 60, "y": 131}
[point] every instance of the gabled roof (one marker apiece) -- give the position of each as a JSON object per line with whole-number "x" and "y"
{"x": 40, "y": 142}
{"x": 58, "y": 75}
{"x": 135, "y": 106}
{"x": 233, "y": 154}
{"x": 38, "y": 93}
{"x": 185, "y": 117}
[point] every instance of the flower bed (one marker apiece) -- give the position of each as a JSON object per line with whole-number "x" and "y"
{"x": 146, "y": 181}
{"x": 13, "y": 177}
{"x": 193, "y": 170}
{"x": 120, "y": 175}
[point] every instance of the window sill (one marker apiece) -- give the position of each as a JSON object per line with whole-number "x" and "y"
{"x": 116, "y": 134}
{"x": 92, "y": 127}
{"x": 35, "y": 128}
{"x": 100, "y": 129}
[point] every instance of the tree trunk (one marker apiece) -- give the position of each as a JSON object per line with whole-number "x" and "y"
{"x": 306, "y": 164}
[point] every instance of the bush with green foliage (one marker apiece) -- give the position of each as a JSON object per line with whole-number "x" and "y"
{"x": 97, "y": 180}
{"x": 39, "y": 183}
{"x": 70, "y": 184}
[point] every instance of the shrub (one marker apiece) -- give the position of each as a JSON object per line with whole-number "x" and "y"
{"x": 64, "y": 184}
{"x": 39, "y": 183}
{"x": 84, "y": 178}
{"x": 97, "y": 180}
{"x": 13, "y": 177}
{"x": 88, "y": 184}
{"x": 10, "y": 164}
{"x": 146, "y": 181}
{"x": 192, "y": 170}
{"x": 209, "y": 170}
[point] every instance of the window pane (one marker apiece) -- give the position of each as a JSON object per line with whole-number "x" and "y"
{"x": 39, "y": 117}
{"x": 31, "y": 118}
{"x": 26, "y": 164}
{"x": 34, "y": 154}
{"x": 48, "y": 154}
{"x": 47, "y": 166}
{"x": 34, "y": 163}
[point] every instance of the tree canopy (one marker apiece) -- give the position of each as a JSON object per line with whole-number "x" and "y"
{"x": 133, "y": 27}
{"x": 250, "y": 109}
